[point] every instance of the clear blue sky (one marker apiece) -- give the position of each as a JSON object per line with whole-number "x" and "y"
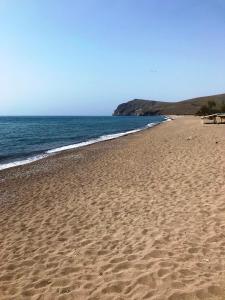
{"x": 84, "y": 57}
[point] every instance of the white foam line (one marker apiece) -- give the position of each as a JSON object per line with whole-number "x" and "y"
{"x": 93, "y": 141}
{"x": 74, "y": 146}
{"x": 22, "y": 162}
{"x": 167, "y": 119}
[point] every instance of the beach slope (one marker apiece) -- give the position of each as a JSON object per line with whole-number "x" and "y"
{"x": 139, "y": 217}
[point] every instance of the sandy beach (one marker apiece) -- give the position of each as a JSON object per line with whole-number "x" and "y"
{"x": 139, "y": 217}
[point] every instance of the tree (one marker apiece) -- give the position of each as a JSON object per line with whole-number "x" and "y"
{"x": 211, "y": 104}
{"x": 223, "y": 107}
{"x": 204, "y": 110}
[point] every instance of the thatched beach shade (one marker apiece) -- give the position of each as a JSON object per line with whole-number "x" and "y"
{"x": 220, "y": 118}
{"x": 210, "y": 119}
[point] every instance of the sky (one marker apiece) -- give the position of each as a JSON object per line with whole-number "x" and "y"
{"x": 84, "y": 57}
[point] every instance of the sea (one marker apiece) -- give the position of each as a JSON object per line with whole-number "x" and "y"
{"x": 27, "y": 139}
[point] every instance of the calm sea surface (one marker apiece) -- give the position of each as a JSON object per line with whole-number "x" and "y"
{"x": 27, "y": 138}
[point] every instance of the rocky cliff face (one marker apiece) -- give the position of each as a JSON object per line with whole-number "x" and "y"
{"x": 139, "y": 107}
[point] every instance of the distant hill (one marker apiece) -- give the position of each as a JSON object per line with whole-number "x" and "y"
{"x": 140, "y": 107}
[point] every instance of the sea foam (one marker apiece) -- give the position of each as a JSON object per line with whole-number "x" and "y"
{"x": 25, "y": 161}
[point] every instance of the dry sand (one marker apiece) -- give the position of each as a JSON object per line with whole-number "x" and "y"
{"x": 140, "y": 217}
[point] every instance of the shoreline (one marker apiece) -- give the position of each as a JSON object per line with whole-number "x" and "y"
{"x": 47, "y": 153}
{"x": 141, "y": 217}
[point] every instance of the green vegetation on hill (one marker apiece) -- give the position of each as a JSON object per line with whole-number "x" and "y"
{"x": 211, "y": 108}
{"x": 195, "y": 106}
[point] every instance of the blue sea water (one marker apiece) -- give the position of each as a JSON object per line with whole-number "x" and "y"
{"x": 25, "y": 139}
